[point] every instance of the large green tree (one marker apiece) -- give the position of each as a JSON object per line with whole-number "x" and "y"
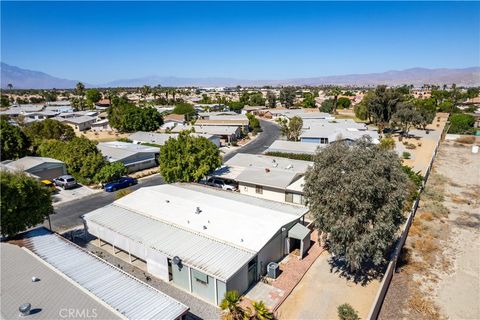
{"x": 81, "y": 156}
{"x": 356, "y": 195}
{"x": 291, "y": 128}
{"x": 382, "y": 105}
{"x": 14, "y": 143}
{"x": 271, "y": 101}
{"x": 309, "y": 100}
{"x": 287, "y": 96}
{"x": 334, "y": 92}
{"x": 93, "y": 96}
{"x": 25, "y": 202}
{"x": 49, "y": 129}
{"x": 127, "y": 117}
{"x": 188, "y": 158}
{"x": 461, "y": 124}
{"x": 186, "y": 109}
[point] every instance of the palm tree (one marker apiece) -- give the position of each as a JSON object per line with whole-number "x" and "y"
{"x": 261, "y": 311}
{"x": 10, "y": 86}
{"x": 231, "y": 306}
{"x": 80, "y": 91}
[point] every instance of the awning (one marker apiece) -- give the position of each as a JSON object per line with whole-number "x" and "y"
{"x": 298, "y": 231}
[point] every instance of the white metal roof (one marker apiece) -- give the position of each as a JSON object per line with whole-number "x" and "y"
{"x": 227, "y": 232}
{"x": 236, "y": 221}
{"x": 160, "y": 138}
{"x": 117, "y": 150}
{"x": 267, "y": 177}
{"x": 28, "y": 162}
{"x": 124, "y": 293}
{"x": 245, "y": 160}
{"x": 293, "y": 147}
{"x": 214, "y": 257}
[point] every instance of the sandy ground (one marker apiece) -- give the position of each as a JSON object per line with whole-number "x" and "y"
{"x": 458, "y": 292}
{"x": 102, "y": 136}
{"x": 441, "y": 275}
{"x": 424, "y": 144}
{"x": 321, "y": 291}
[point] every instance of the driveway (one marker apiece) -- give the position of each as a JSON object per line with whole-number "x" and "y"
{"x": 68, "y": 215}
{"x": 270, "y": 133}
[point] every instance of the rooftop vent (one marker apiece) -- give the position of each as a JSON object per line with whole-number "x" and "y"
{"x": 167, "y": 201}
{"x": 35, "y": 279}
{"x": 267, "y": 170}
{"x": 25, "y": 309}
{"x": 197, "y": 211}
{"x": 290, "y": 166}
{"x": 204, "y": 227}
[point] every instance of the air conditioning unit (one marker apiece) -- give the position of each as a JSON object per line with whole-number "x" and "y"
{"x": 273, "y": 270}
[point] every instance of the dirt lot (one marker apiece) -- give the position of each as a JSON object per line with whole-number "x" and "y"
{"x": 322, "y": 290}
{"x": 440, "y": 276}
{"x": 102, "y": 136}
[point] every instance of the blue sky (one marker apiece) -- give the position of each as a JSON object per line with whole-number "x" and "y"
{"x": 98, "y": 42}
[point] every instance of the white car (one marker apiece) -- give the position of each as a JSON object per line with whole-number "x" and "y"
{"x": 220, "y": 183}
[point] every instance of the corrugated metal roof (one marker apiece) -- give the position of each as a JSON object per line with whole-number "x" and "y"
{"x": 50, "y": 296}
{"x": 227, "y": 232}
{"x": 213, "y": 257}
{"x": 131, "y": 297}
{"x": 245, "y": 160}
{"x": 293, "y": 147}
{"x": 298, "y": 231}
{"x": 267, "y": 177}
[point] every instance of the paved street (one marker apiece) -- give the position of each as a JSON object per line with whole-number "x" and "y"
{"x": 68, "y": 215}
{"x": 271, "y": 132}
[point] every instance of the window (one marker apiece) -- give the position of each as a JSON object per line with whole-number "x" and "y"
{"x": 324, "y": 140}
{"x": 294, "y": 198}
{"x": 259, "y": 189}
{"x": 200, "y": 277}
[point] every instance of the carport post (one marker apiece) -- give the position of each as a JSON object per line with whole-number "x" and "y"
{"x": 49, "y": 223}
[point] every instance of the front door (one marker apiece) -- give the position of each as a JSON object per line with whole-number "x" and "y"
{"x": 252, "y": 271}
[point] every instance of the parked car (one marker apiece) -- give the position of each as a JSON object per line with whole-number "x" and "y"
{"x": 123, "y": 182}
{"x": 49, "y": 185}
{"x": 65, "y": 182}
{"x": 221, "y": 183}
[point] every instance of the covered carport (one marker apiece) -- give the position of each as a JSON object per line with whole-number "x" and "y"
{"x": 298, "y": 238}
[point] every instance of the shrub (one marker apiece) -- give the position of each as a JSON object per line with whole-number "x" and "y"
{"x": 294, "y": 156}
{"x": 466, "y": 140}
{"x": 387, "y": 143}
{"x": 461, "y": 123}
{"x": 406, "y": 155}
{"x": 122, "y": 193}
{"x": 346, "y": 312}
{"x": 110, "y": 172}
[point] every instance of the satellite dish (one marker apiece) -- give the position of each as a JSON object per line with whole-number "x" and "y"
{"x": 176, "y": 260}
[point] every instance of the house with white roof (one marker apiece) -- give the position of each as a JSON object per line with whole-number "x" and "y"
{"x": 59, "y": 280}
{"x": 160, "y": 138}
{"x": 134, "y": 156}
{"x": 78, "y": 123}
{"x": 204, "y": 240}
{"x": 38, "y": 167}
{"x": 295, "y": 147}
{"x": 264, "y": 176}
{"x": 327, "y": 131}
